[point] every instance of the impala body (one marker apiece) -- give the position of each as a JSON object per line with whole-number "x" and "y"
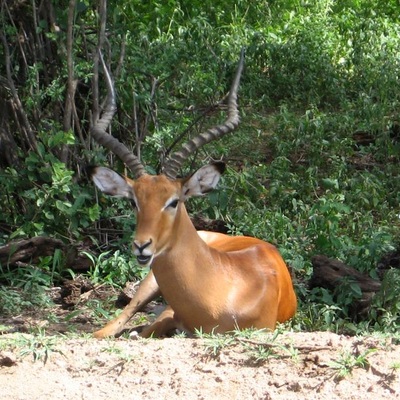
{"x": 211, "y": 281}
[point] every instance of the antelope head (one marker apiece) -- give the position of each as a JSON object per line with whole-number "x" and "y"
{"x": 159, "y": 200}
{"x": 159, "y": 204}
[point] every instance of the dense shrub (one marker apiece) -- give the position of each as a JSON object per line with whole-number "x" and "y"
{"x": 313, "y": 167}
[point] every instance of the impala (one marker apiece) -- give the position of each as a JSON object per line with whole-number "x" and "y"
{"x": 210, "y": 281}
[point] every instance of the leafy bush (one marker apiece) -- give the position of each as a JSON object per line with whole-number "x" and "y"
{"x": 115, "y": 269}
{"x": 319, "y": 76}
{"x": 43, "y": 199}
{"x": 385, "y": 312}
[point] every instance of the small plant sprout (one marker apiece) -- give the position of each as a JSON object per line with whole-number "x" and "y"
{"x": 39, "y": 345}
{"x": 348, "y": 361}
{"x": 395, "y": 366}
{"x": 214, "y": 343}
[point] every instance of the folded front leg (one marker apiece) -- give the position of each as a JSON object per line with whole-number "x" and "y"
{"x": 148, "y": 290}
{"x": 162, "y": 325}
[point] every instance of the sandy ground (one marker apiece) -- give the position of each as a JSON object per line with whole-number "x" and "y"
{"x": 291, "y": 366}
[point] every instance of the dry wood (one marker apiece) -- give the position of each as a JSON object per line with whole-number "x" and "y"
{"x": 329, "y": 273}
{"x": 29, "y": 252}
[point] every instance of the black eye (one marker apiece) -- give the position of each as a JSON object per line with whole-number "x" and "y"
{"x": 174, "y": 203}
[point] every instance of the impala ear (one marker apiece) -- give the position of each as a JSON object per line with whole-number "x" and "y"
{"x": 202, "y": 181}
{"x": 110, "y": 182}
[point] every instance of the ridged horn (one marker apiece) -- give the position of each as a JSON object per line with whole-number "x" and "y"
{"x": 99, "y": 129}
{"x": 176, "y": 160}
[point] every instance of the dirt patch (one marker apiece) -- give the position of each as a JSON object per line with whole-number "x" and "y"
{"x": 300, "y": 366}
{"x": 62, "y": 361}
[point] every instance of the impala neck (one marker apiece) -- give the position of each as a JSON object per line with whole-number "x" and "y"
{"x": 189, "y": 269}
{"x": 187, "y": 245}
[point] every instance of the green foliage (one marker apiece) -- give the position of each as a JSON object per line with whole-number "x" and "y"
{"x": 122, "y": 354}
{"x": 215, "y": 343}
{"x": 318, "y": 75}
{"x": 348, "y": 361}
{"x": 39, "y": 345}
{"x": 27, "y": 287}
{"x": 14, "y": 301}
{"x": 115, "y": 269}
{"x": 385, "y": 310}
{"x": 43, "y": 199}
{"x": 259, "y": 345}
{"x": 395, "y": 367}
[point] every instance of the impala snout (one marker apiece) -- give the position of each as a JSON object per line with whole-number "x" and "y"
{"x": 143, "y": 252}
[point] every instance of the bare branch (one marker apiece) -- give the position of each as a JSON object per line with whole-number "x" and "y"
{"x": 26, "y": 126}
{"x": 71, "y": 83}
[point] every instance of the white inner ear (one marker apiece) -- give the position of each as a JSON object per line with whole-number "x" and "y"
{"x": 201, "y": 182}
{"x": 112, "y": 183}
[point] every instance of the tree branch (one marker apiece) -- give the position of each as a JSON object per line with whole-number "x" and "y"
{"x": 26, "y": 127}
{"x": 72, "y": 83}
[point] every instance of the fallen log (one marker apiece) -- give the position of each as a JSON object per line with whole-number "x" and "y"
{"x": 332, "y": 274}
{"x": 24, "y": 252}
{"x": 28, "y": 251}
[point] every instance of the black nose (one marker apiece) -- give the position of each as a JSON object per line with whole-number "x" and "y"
{"x": 143, "y": 246}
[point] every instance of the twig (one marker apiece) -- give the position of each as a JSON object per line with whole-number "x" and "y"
{"x": 274, "y": 345}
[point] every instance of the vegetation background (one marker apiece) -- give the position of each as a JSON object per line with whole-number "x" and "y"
{"x": 313, "y": 168}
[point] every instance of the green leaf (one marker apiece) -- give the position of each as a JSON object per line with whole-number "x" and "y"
{"x": 49, "y": 215}
{"x": 63, "y": 206}
{"x": 355, "y": 288}
{"x": 94, "y": 213}
{"x": 61, "y": 138}
{"x": 328, "y": 183}
{"x": 81, "y": 6}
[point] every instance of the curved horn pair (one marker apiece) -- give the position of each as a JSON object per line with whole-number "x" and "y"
{"x": 176, "y": 160}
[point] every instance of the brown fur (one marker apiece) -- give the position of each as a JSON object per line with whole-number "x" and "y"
{"x": 211, "y": 281}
